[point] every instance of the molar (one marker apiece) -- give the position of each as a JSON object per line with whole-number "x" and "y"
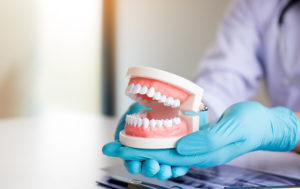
{"x": 169, "y": 101}
{"x": 176, "y": 120}
{"x": 168, "y": 123}
{"x": 162, "y": 99}
{"x": 145, "y": 123}
{"x": 176, "y": 103}
{"x": 159, "y": 123}
{"x": 152, "y": 123}
{"x": 157, "y": 96}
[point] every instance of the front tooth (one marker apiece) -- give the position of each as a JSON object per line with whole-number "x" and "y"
{"x": 168, "y": 123}
{"x": 152, "y": 123}
{"x": 151, "y": 92}
{"x": 162, "y": 99}
{"x": 137, "y": 89}
{"x": 159, "y": 123}
{"x": 157, "y": 96}
{"x": 176, "y": 120}
{"x": 145, "y": 123}
{"x": 130, "y": 88}
{"x": 169, "y": 101}
{"x": 140, "y": 122}
{"x": 144, "y": 90}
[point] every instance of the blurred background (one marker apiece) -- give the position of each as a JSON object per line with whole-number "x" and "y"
{"x": 72, "y": 55}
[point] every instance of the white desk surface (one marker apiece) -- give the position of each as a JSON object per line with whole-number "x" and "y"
{"x": 64, "y": 151}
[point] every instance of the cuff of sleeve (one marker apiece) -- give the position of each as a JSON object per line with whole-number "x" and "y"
{"x": 215, "y": 106}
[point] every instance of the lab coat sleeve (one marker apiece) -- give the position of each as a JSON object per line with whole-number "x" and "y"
{"x": 230, "y": 71}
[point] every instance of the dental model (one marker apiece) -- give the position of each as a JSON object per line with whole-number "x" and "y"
{"x": 169, "y": 96}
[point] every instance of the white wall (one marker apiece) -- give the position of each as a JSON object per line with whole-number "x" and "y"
{"x": 167, "y": 34}
{"x": 50, "y": 56}
{"x": 69, "y": 55}
{"x": 17, "y": 47}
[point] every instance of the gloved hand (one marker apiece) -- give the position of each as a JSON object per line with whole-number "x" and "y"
{"x": 242, "y": 128}
{"x": 149, "y": 167}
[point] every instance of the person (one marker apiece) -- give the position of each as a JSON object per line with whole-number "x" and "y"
{"x": 257, "y": 39}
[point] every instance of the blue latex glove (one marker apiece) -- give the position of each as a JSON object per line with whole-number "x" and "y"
{"x": 242, "y": 128}
{"x": 148, "y": 167}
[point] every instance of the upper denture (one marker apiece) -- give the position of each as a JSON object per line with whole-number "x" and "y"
{"x": 156, "y": 90}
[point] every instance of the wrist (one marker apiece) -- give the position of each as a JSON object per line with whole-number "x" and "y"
{"x": 285, "y": 130}
{"x": 297, "y": 148}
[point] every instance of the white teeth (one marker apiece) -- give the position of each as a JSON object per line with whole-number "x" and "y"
{"x": 157, "y": 96}
{"x": 168, "y": 123}
{"x": 159, "y": 123}
{"x": 152, "y": 123}
{"x": 162, "y": 99}
{"x": 144, "y": 90}
{"x": 135, "y": 122}
{"x": 137, "y": 89}
{"x": 140, "y": 122}
{"x": 130, "y": 88}
{"x": 176, "y": 103}
{"x": 169, "y": 101}
{"x": 151, "y": 92}
{"x": 131, "y": 120}
{"x": 133, "y": 89}
{"x": 127, "y": 119}
{"x": 176, "y": 120}
{"x": 145, "y": 123}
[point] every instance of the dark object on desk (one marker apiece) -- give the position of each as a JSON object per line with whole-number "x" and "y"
{"x": 275, "y": 187}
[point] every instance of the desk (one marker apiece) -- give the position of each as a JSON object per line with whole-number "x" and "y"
{"x": 54, "y": 151}
{"x": 64, "y": 151}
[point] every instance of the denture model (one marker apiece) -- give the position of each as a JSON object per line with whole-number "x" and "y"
{"x": 170, "y": 97}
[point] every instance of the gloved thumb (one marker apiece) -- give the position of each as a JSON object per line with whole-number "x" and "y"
{"x": 111, "y": 149}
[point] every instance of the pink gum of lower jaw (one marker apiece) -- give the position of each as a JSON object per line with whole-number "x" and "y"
{"x": 164, "y": 88}
{"x": 158, "y": 132}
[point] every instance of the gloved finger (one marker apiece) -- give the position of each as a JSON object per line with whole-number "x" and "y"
{"x": 111, "y": 149}
{"x": 204, "y": 141}
{"x": 165, "y": 172}
{"x": 128, "y": 153}
{"x": 178, "y": 171}
{"x": 150, "y": 168}
{"x": 134, "y": 108}
{"x": 163, "y": 156}
{"x": 222, "y": 155}
{"x": 171, "y": 157}
{"x": 133, "y": 167}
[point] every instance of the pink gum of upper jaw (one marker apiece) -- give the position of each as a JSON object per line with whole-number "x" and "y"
{"x": 162, "y": 132}
{"x": 164, "y": 88}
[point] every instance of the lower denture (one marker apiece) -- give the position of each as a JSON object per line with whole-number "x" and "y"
{"x": 157, "y": 132}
